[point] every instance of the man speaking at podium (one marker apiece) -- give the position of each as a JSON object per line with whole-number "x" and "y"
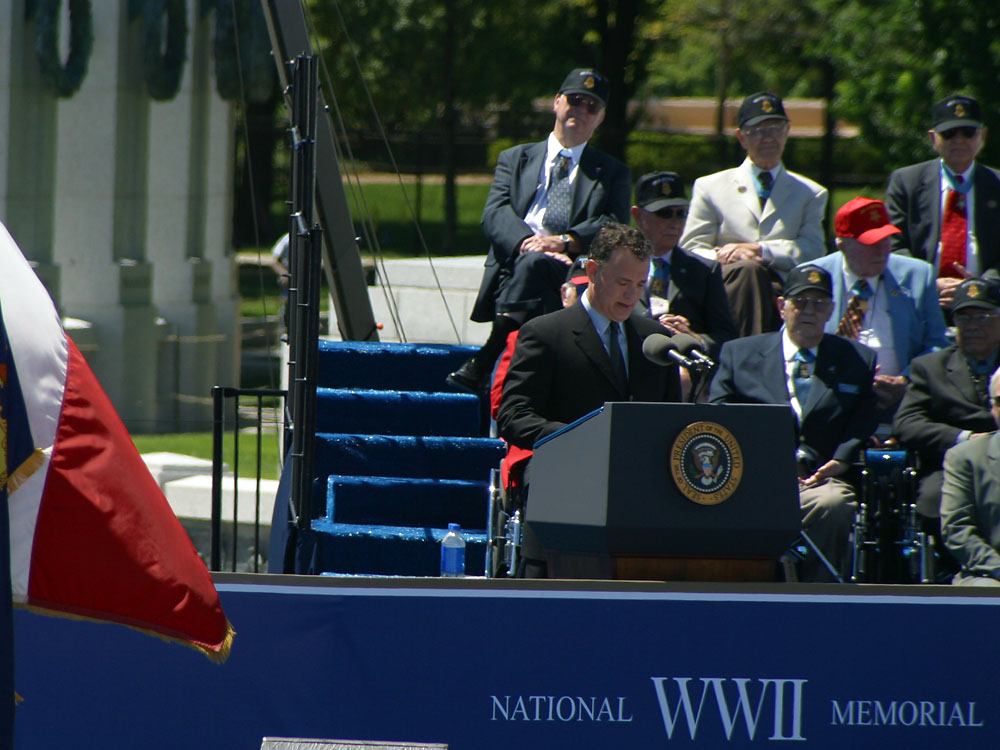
{"x": 827, "y": 381}
{"x": 570, "y": 362}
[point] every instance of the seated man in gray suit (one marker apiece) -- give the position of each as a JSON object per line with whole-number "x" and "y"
{"x": 949, "y": 208}
{"x": 827, "y": 381}
{"x": 887, "y": 302}
{"x": 547, "y": 202}
{"x": 970, "y": 503}
{"x": 758, "y": 220}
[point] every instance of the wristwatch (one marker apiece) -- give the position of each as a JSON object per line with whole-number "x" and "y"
{"x": 566, "y": 239}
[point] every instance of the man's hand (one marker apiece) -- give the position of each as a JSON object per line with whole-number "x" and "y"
{"x": 561, "y": 257}
{"x": 735, "y": 251}
{"x": 832, "y": 468}
{"x": 946, "y": 286}
{"x": 543, "y": 243}
{"x": 889, "y": 389}
{"x": 678, "y": 324}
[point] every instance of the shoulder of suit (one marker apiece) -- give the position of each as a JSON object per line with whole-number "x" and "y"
{"x": 839, "y": 343}
{"x": 646, "y": 326}
{"x": 913, "y": 171}
{"x": 521, "y": 148}
{"x": 933, "y": 360}
{"x": 693, "y": 259}
{"x": 589, "y": 152}
{"x": 747, "y": 344}
{"x": 812, "y": 185}
{"x": 904, "y": 264}
{"x": 709, "y": 180}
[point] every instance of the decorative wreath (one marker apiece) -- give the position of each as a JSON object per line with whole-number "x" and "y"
{"x": 163, "y": 61}
{"x": 65, "y": 79}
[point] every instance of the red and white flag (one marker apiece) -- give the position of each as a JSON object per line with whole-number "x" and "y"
{"x": 91, "y": 534}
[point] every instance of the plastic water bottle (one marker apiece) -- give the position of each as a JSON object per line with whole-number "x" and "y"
{"x": 453, "y": 552}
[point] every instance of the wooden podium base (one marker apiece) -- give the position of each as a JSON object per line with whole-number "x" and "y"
{"x": 715, "y": 569}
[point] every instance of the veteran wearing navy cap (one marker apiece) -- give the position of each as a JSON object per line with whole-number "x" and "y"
{"x": 947, "y": 400}
{"x": 827, "y": 382}
{"x": 684, "y": 291}
{"x": 547, "y": 202}
{"x": 759, "y": 219}
{"x": 948, "y": 208}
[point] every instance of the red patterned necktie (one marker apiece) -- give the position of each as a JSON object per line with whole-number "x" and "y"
{"x": 850, "y": 324}
{"x": 953, "y": 233}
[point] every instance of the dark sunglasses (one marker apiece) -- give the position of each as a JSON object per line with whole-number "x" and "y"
{"x": 579, "y": 100}
{"x": 966, "y": 132}
{"x": 672, "y": 213}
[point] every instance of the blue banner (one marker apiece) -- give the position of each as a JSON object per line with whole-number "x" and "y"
{"x": 480, "y": 665}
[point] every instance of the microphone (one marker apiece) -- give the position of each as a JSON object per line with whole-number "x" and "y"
{"x": 661, "y": 350}
{"x": 690, "y": 347}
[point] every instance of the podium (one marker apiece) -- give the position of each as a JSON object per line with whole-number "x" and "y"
{"x": 655, "y": 491}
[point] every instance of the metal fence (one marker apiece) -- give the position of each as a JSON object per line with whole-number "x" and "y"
{"x": 245, "y": 407}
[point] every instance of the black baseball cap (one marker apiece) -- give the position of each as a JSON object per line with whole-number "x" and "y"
{"x": 657, "y": 190}
{"x": 956, "y": 111}
{"x": 803, "y": 278}
{"x": 976, "y": 293}
{"x": 586, "y": 81}
{"x": 759, "y": 107}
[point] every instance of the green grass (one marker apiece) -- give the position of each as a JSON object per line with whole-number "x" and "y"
{"x": 394, "y": 226}
{"x": 199, "y": 445}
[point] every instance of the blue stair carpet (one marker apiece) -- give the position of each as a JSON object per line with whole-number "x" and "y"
{"x": 386, "y": 366}
{"x": 407, "y": 456}
{"x": 406, "y": 502}
{"x": 390, "y": 550}
{"x": 396, "y": 412}
{"x": 398, "y": 458}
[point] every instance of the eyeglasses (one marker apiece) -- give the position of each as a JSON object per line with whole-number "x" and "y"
{"x": 819, "y": 303}
{"x": 759, "y": 131}
{"x": 965, "y": 131}
{"x": 579, "y": 100}
{"x": 671, "y": 213}
{"x": 964, "y": 318}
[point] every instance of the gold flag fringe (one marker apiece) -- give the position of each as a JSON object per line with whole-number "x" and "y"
{"x": 218, "y": 655}
{"x": 28, "y": 467}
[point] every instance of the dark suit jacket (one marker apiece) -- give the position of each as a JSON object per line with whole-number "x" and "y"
{"x": 696, "y": 292}
{"x": 601, "y": 193}
{"x": 913, "y": 198}
{"x": 561, "y": 371}
{"x": 838, "y": 416}
{"x": 940, "y": 402}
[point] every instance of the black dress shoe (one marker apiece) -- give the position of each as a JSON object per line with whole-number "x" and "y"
{"x": 471, "y": 377}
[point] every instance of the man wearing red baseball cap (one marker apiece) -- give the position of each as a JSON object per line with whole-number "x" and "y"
{"x": 886, "y": 301}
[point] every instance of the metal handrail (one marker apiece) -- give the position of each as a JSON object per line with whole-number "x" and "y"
{"x": 219, "y": 396}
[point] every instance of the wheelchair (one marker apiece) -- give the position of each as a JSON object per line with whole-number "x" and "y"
{"x": 503, "y": 522}
{"x": 887, "y": 542}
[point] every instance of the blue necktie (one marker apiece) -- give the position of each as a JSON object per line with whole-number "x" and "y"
{"x": 556, "y": 217}
{"x": 766, "y": 183}
{"x": 617, "y": 360}
{"x": 659, "y": 282}
{"x": 802, "y": 375}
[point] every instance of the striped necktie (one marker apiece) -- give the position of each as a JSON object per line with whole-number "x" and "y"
{"x": 854, "y": 316}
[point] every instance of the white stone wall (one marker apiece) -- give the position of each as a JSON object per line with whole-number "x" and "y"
{"x": 125, "y": 205}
